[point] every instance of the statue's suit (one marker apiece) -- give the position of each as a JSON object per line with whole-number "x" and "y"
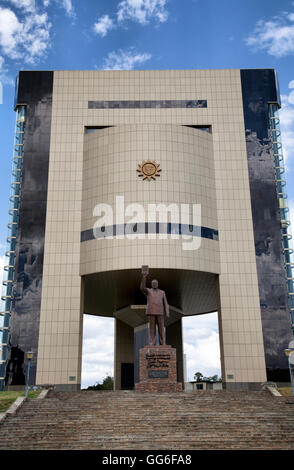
{"x": 156, "y": 305}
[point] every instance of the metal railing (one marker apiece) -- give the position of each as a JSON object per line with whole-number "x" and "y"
{"x": 283, "y": 208}
{"x": 7, "y": 296}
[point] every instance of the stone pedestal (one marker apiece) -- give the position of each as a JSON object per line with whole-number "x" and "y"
{"x": 158, "y": 370}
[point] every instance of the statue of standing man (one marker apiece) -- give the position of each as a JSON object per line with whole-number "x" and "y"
{"x": 156, "y": 306}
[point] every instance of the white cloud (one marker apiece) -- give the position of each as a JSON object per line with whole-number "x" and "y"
{"x": 139, "y": 11}
{"x": 9, "y": 29}
{"x": 124, "y": 59}
{"x": 25, "y": 29}
{"x": 5, "y": 78}
{"x": 25, "y": 39}
{"x": 67, "y": 5}
{"x": 103, "y": 25}
{"x": 291, "y": 97}
{"x": 142, "y": 11}
{"x": 275, "y": 36}
{"x": 286, "y": 115}
{"x": 291, "y": 216}
{"x": 25, "y": 5}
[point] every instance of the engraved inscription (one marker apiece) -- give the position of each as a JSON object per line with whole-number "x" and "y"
{"x": 155, "y": 361}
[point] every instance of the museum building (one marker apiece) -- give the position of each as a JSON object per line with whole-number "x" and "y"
{"x": 180, "y": 170}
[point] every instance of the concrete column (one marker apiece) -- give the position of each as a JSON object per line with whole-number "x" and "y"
{"x": 241, "y": 340}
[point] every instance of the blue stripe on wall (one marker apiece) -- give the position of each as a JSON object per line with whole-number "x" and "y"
{"x": 145, "y": 228}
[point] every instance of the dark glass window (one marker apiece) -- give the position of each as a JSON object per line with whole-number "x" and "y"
{"x": 147, "y": 104}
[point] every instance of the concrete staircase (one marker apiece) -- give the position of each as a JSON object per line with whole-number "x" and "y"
{"x": 132, "y": 420}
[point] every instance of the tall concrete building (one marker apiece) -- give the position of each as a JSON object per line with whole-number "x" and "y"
{"x": 180, "y": 170}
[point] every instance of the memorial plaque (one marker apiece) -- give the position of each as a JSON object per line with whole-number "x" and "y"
{"x": 158, "y": 374}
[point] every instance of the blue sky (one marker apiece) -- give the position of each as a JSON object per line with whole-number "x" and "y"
{"x": 144, "y": 34}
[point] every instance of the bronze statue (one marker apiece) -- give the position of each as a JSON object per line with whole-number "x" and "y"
{"x": 156, "y": 305}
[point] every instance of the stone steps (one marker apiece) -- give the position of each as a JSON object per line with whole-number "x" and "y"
{"x": 130, "y": 420}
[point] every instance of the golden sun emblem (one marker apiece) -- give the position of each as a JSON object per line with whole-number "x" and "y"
{"x": 149, "y": 170}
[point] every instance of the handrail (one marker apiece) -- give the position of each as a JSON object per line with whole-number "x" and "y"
{"x": 288, "y": 235}
{"x": 279, "y": 168}
{"x": 9, "y": 268}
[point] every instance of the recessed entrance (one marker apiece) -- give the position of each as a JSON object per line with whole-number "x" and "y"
{"x": 127, "y": 376}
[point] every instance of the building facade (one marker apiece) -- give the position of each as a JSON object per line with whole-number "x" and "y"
{"x": 203, "y": 385}
{"x": 180, "y": 170}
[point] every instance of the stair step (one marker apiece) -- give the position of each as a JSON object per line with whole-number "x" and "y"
{"x": 130, "y": 420}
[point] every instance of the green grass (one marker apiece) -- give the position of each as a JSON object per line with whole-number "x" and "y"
{"x": 7, "y": 398}
{"x": 285, "y": 391}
